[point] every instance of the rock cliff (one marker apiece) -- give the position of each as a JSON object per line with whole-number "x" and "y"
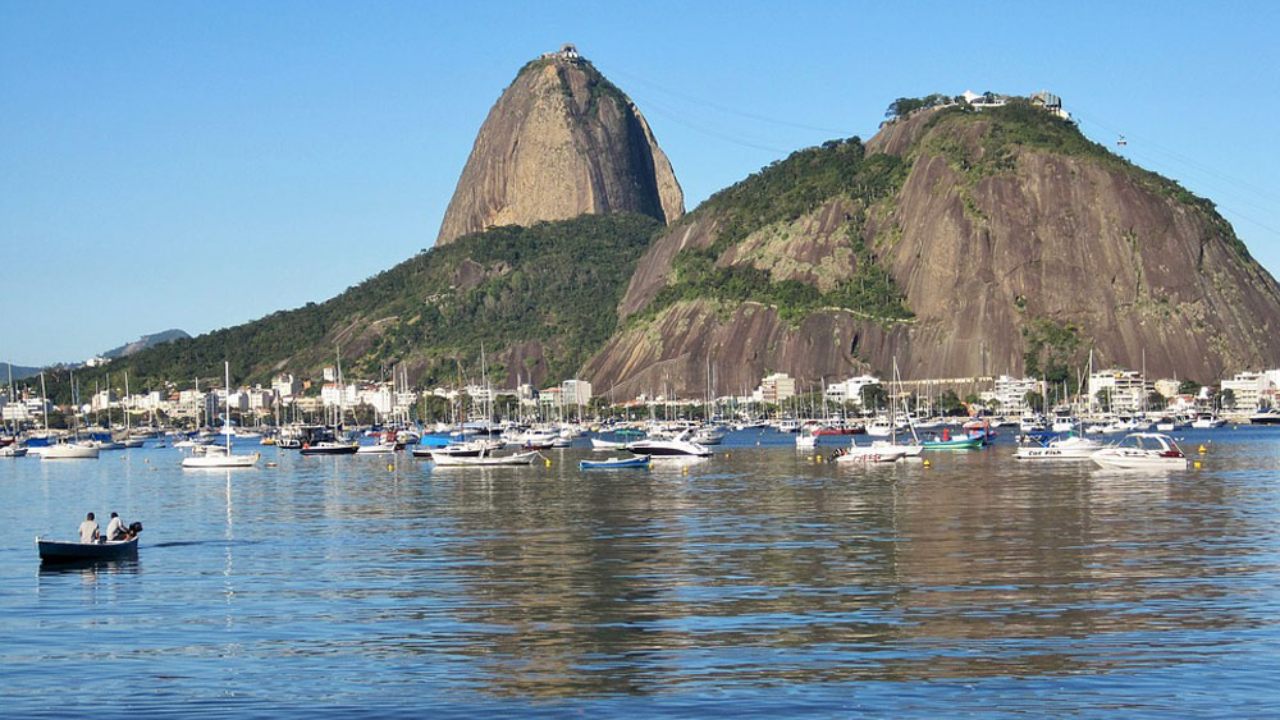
{"x": 560, "y": 142}
{"x": 963, "y": 243}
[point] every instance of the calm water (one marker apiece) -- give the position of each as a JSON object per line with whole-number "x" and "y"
{"x": 756, "y": 583}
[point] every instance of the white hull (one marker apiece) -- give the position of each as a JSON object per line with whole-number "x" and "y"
{"x": 220, "y": 461}
{"x": 484, "y": 460}
{"x": 598, "y": 444}
{"x": 379, "y": 449}
{"x": 657, "y": 448}
{"x": 872, "y": 454}
{"x": 69, "y": 451}
{"x": 1142, "y": 451}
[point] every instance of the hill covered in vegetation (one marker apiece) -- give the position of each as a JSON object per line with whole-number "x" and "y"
{"x": 539, "y": 300}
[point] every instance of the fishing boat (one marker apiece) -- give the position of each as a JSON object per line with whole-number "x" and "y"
{"x": 1142, "y": 451}
{"x": 484, "y": 459}
{"x": 613, "y": 463}
{"x": 1067, "y": 448}
{"x": 56, "y": 551}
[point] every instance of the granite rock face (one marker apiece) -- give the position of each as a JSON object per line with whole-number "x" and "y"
{"x": 561, "y": 141}
{"x": 997, "y": 233}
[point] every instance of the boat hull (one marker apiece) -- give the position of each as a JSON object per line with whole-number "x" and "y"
{"x": 639, "y": 461}
{"x": 53, "y": 552}
{"x": 221, "y": 461}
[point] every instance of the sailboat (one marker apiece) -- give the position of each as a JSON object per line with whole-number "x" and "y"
{"x": 69, "y": 449}
{"x": 222, "y": 457}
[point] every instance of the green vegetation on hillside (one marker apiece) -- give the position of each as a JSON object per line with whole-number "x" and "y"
{"x": 557, "y": 283}
{"x": 784, "y": 192}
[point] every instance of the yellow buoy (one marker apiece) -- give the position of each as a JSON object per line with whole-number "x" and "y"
{"x": 548, "y": 462}
{"x": 927, "y": 462}
{"x": 1196, "y": 465}
{"x": 390, "y": 467}
{"x": 1202, "y": 449}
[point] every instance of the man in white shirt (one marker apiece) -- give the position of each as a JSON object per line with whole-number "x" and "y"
{"x": 115, "y": 528}
{"x": 89, "y": 530}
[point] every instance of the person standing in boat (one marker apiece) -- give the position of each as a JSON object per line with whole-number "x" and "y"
{"x": 116, "y": 529}
{"x": 89, "y": 529}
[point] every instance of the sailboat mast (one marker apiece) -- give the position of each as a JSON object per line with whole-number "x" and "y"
{"x": 226, "y": 424}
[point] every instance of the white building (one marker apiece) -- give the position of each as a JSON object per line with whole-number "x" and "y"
{"x": 1011, "y": 393}
{"x": 850, "y": 390}
{"x": 1249, "y": 387}
{"x": 575, "y": 392}
{"x": 286, "y": 386}
{"x": 379, "y": 397}
{"x": 1127, "y": 388}
{"x": 777, "y": 388}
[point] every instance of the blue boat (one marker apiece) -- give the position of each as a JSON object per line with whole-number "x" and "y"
{"x": 639, "y": 461}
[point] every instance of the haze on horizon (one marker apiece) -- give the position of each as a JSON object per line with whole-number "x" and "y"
{"x": 201, "y": 166}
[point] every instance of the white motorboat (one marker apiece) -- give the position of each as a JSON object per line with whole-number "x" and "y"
{"x": 806, "y": 441}
{"x": 1269, "y": 416}
{"x": 1207, "y": 421}
{"x": 1142, "y": 451}
{"x": 884, "y": 453}
{"x": 1067, "y": 448}
{"x": 13, "y": 451}
{"x": 383, "y": 448}
{"x": 911, "y": 450}
{"x": 678, "y": 446}
{"x": 598, "y": 444}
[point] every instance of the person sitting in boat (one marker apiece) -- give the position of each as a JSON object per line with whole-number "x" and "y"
{"x": 116, "y": 529}
{"x": 89, "y": 529}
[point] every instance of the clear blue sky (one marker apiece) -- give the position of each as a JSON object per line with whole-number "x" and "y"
{"x": 201, "y": 164}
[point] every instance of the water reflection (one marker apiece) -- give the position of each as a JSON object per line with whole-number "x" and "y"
{"x": 754, "y": 569}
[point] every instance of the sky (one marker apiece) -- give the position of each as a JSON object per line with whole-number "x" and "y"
{"x": 197, "y": 165}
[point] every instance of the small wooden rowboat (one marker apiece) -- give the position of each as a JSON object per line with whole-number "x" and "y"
{"x": 639, "y": 461}
{"x": 54, "y": 551}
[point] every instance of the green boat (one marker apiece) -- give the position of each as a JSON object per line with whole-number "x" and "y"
{"x": 960, "y": 442}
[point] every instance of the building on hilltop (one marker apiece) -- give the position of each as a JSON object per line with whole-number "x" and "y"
{"x": 568, "y": 51}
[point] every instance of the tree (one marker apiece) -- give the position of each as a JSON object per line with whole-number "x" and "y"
{"x": 1034, "y": 400}
{"x": 950, "y": 403}
{"x": 1157, "y": 401}
{"x": 1104, "y": 397}
{"x": 1229, "y": 399}
{"x": 873, "y": 396}
{"x": 1188, "y": 387}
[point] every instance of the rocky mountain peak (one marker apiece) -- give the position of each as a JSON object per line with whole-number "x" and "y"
{"x": 561, "y": 141}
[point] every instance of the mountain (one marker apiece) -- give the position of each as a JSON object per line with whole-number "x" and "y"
{"x": 145, "y": 342}
{"x": 962, "y": 242}
{"x": 19, "y": 372}
{"x": 539, "y": 300}
{"x": 561, "y": 141}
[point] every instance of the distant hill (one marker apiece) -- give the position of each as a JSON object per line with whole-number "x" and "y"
{"x": 145, "y": 342}
{"x": 19, "y": 372}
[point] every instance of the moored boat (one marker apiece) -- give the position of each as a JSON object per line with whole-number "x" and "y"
{"x": 1142, "y": 451}
{"x": 639, "y": 461}
{"x": 672, "y": 447}
{"x": 1068, "y": 448}
{"x": 484, "y": 459}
